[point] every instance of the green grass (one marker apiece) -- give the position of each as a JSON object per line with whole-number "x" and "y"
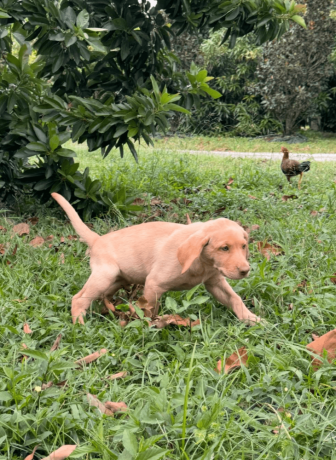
{"x": 171, "y": 387}
{"x": 317, "y": 143}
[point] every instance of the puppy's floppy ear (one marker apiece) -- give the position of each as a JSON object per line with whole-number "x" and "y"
{"x": 191, "y": 249}
{"x": 246, "y": 236}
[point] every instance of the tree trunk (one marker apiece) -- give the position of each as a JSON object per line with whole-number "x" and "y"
{"x": 289, "y": 126}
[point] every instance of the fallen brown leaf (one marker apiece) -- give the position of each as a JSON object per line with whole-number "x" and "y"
{"x": 325, "y": 342}
{"x": 188, "y": 219}
{"x": 90, "y": 358}
{"x": 155, "y": 201}
{"x": 108, "y": 408}
{"x": 252, "y": 197}
{"x": 162, "y": 321}
{"x": 234, "y": 361}
{"x": 37, "y": 241}
{"x": 143, "y": 304}
{"x": 116, "y": 406}
{"x": 21, "y": 229}
{"x": 220, "y": 210}
{"x": 26, "y": 329}
{"x": 46, "y": 385}
{"x": 19, "y": 300}
{"x": 31, "y": 456}
{"x": 333, "y": 278}
{"x": 72, "y": 237}
{"x": 123, "y": 323}
{"x": 49, "y": 238}
{"x": 138, "y": 202}
{"x": 33, "y": 220}
{"x": 62, "y": 259}
{"x": 3, "y": 229}
{"x": 231, "y": 180}
{"x": 255, "y": 227}
{"x": 94, "y": 401}
{"x": 14, "y": 250}
{"x": 119, "y": 375}
{"x": 314, "y": 213}
{"x": 267, "y": 249}
{"x": 61, "y": 453}
{"x": 290, "y": 306}
{"x": 62, "y": 239}
{"x": 2, "y": 249}
{"x": 56, "y": 343}
{"x": 289, "y": 197}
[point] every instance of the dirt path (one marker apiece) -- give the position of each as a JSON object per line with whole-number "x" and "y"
{"x": 270, "y": 156}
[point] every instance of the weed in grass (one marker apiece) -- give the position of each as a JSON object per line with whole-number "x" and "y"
{"x": 179, "y": 407}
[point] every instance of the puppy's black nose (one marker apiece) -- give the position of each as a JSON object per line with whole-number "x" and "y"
{"x": 244, "y": 272}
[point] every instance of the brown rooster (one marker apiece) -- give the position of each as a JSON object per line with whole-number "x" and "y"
{"x": 292, "y": 168}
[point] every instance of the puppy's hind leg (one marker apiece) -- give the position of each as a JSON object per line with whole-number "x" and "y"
{"x": 101, "y": 281}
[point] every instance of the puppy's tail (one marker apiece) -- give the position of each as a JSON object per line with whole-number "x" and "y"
{"x": 83, "y": 231}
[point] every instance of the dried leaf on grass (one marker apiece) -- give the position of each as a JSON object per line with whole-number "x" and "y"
{"x": 333, "y": 278}
{"x": 143, "y": 304}
{"x": 267, "y": 250}
{"x": 31, "y": 456}
{"x": 155, "y": 201}
{"x": 37, "y": 241}
{"x": 45, "y": 386}
{"x": 50, "y": 238}
{"x": 314, "y": 213}
{"x": 231, "y": 180}
{"x": 62, "y": 259}
{"x": 138, "y": 202}
{"x": 234, "y": 361}
{"x": 163, "y": 321}
{"x": 252, "y": 197}
{"x": 3, "y": 229}
{"x": 56, "y": 343}
{"x": 188, "y": 219}
{"x": 90, "y": 358}
{"x": 108, "y": 408}
{"x": 21, "y": 229}
{"x": 61, "y": 453}
{"x": 26, "y": 329}
{"x": 219, "y": 210}
{"x": 289, "y": 197}
{"x": 14, "y": 250}
{"x": 2, "y": 249}
{"x": 325, "y": 342}
{"x": 33, "y": 220}
{"x": 119, "y": 375}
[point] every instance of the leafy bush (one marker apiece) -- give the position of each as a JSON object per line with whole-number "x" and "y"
{"x": 234, "y": 71}
{"x": 294, "y": 70}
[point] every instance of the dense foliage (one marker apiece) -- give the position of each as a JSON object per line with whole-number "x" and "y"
{"x": 295, "y": 70}
{"x": 236, "y": 111}
{"x": 104, "y": 75}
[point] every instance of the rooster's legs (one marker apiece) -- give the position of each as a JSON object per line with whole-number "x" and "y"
{"x": 301, "y": 175}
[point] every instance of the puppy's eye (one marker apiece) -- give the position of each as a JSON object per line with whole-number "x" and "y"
{"x": 244, "y": 246}
{"x": 225, "y": 248}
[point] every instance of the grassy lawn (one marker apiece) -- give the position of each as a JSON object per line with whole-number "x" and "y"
{"x": 317, "y": 143}
{"x": 171, "y": 387}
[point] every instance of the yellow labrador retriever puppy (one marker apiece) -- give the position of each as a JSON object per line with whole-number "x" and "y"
{"x": 163, "y": 257}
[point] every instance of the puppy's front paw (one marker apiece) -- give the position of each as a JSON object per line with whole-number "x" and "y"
{"x": 77, "y": 316}
{"x": 251, "y": 319}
